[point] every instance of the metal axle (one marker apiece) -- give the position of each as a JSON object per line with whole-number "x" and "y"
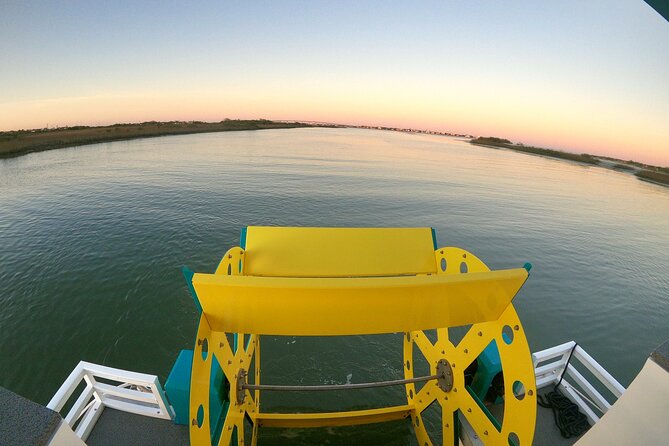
{"x": 394, "y": 382}
{"x": 443, "y": 376}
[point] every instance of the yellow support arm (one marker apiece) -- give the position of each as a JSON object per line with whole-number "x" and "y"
{"x": 326, "y": 419}
{"x": 332, "y": 306}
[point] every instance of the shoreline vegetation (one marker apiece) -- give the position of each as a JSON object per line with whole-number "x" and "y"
{"x": 21, "y": 142}
{"x": 505, "y": 143}
{"x": 646, "y": 172}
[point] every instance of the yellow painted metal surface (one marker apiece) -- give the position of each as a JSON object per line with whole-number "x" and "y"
{"x": 216, "y": 343}
{"x": 327, "y": 300}
{"x": 519, "y": 413}
{"x": 210, "y": 343}
{"x": 199, "y": 388}
{"x": 232, "y": 262}
{"x": 326, "y": 419}
{"x": 335, "y": 306}
{"x": 338, "y": 252}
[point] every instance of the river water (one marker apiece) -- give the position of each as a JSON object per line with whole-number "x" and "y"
{"x": 92, "y": 240}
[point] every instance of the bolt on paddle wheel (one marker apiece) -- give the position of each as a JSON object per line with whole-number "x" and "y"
{"x": 345, "y": 281}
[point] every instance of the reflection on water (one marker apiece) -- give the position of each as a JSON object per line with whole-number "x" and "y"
{"x": 92, "y": 238}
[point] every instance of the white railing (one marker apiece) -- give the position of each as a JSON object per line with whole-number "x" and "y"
{"x": 136, "y": 393}
{"x": 558, "y": 362}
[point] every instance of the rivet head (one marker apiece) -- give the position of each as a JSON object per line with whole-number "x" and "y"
{"x": 453, "y": 365}
{"x": 466, "y": 351}
{"x": 530, "y": 392}
{"x": 516, "y": 327}
{"x": 447, "y": 425}
{"x": 480, "y": 333}
{"x": 485, "y": 432}
{"x": 469, "y": 409}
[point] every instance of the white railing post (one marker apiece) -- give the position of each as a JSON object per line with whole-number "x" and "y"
{"x": 605, "y": 377}
{"x": 558, "y": 362}
{"x": 87, "y": 423}
{"x": 66, "y": 389}
{"x": 161, "y": 398}
{"x": 97, "y": 395}
{"x": 78, "y": 408}
{"x": 555, "y": 359}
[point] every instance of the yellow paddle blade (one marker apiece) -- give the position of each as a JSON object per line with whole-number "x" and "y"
{"x": 358, "y": 305}
{"x": 338, "y": 252}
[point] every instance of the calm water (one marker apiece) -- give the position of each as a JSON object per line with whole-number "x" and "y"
{"x": 92, "y": 240}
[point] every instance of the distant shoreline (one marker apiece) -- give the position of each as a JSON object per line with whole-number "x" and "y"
{"x": 645, "y": 172}
{"x": 21, "y": 142}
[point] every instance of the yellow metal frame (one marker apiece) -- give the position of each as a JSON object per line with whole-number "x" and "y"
{"x": 340, "y": 304}
{"x": 334, "y": 306}
{"x": 519, "y": 413}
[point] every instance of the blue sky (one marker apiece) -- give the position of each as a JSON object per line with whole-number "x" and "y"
{"x": 579, "y": 75}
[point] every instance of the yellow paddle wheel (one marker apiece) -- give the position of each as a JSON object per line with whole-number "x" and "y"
{"x": 356, "y": 281}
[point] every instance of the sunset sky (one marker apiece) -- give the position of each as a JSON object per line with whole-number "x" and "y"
{"x": 583, "y": 76}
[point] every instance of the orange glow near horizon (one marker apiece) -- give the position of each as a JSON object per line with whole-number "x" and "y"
{"x": 549, "y": 126}
{"x": 576, "y": 76}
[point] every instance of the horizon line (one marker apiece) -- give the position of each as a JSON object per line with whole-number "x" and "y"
{"x": 333, "y": 124}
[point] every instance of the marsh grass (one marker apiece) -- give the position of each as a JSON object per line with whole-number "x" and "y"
{"x": 19, "y": 142}
{"x": 505, "y": 143}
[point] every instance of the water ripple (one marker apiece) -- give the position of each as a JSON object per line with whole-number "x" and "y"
{"x": 92, "y": 239}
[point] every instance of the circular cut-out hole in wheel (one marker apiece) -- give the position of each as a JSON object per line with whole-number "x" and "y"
{"x": 205, "y": 349}
{"x": 443, "y": 264}
{"x": 463, "y": 267}
{"x": 513, "y": 439}
{"x": 518, "y": 390}
{"x": 507, "y": 334}
{"x": 200, "y": 416}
